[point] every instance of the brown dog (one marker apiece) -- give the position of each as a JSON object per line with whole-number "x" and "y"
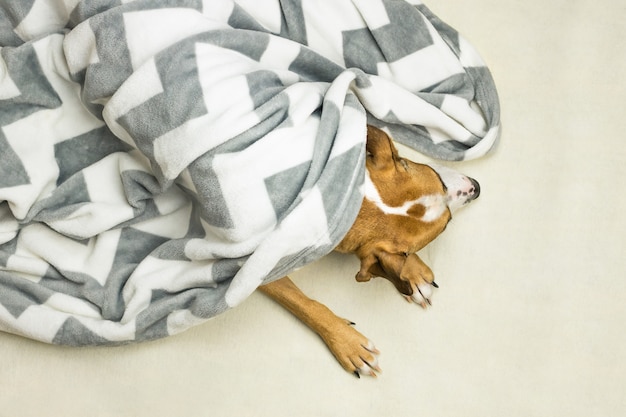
{"x": 406, "y": 206}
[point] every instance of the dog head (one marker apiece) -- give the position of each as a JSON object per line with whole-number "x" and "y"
{"x": 406, "y": 206}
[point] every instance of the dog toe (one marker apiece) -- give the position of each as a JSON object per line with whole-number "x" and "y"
{"x": 422, "y": 294}
{"x": 355, "y": 352}
{"x": 362, "y": 359}
{"x": 367, "y": 362}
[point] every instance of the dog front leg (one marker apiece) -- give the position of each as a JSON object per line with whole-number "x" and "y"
{"x": 355, "y": 352}
{"x": 408, "y": 273}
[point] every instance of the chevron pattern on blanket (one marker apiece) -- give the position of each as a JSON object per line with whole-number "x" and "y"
{"x": 159, "y": 160}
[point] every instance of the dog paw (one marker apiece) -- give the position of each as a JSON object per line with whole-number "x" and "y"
{"x": 366, "y": 362}
{"x": 353, "y": 351}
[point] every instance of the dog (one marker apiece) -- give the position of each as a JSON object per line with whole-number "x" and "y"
{"x": 406, "y": 205}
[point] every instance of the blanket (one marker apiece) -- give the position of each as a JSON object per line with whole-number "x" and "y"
{"x": 159, "y": 160}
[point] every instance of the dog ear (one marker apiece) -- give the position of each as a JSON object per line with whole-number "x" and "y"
{"x": 367, "y": 265}
{"x": 380, "y": 148}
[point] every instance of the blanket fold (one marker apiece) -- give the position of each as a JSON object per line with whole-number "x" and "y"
{"x": 159, "y": 160}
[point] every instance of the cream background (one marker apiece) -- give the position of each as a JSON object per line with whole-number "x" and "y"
{"x": 530, "y": 316}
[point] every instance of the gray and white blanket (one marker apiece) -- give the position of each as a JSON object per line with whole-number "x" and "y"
{"x": 159, "y": 160}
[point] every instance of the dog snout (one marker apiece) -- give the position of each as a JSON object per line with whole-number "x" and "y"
{"x": 476, "y": 191}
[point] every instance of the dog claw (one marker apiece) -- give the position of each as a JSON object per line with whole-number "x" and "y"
{"x": 356, "y": 373}
{"x": 434, "y": 284}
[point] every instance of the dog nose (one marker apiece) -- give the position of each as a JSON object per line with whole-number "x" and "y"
{"x": 476, "y": 186}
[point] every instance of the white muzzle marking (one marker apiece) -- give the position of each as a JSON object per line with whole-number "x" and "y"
{"x": 461, "y": 189}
